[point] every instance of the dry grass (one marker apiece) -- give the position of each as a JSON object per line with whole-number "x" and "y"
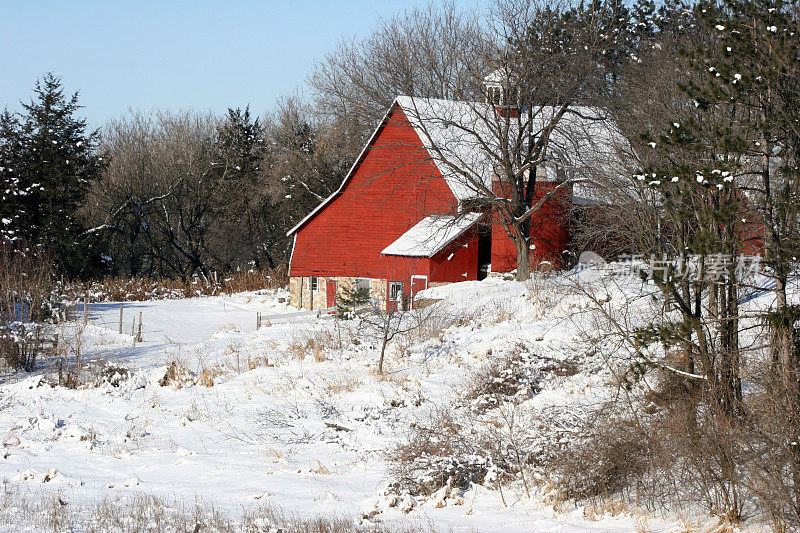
{"x": 259, "y": 361}
{"x": 208, "y": 375}
{"x": 339, "y": 386}
{"x": 177, "y": 375}
{"x": 314, "y": 344}
{"x": 321, "y": 469}
{"x": 597, "y": 510}
{"x": 429, "y": 323}
{"x": 144, "y": 513}
{"x": 140, "y": 289}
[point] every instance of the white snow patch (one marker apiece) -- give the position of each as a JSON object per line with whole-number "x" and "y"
{"x": 430, "y": 235}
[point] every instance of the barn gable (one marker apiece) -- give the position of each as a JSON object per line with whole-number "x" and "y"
{"x": 391, "y": 187}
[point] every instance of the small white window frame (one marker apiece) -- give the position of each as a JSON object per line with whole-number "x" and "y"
{"x": 398, "y": 295}
{"x": 495, "y": 95}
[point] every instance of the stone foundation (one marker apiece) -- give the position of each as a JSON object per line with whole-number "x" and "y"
{"x": 301, "y": 296}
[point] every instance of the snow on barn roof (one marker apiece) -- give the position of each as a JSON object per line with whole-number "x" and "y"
{"x": 496, "y": 77}
{"x": 462, "y": 139}
{"x": 430, "y": 235}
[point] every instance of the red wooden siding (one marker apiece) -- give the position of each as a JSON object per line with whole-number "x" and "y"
{"x": 464, "y": 260}
{"x": 450, "y": 264}
{"x": 392, "y": 189}
{"x": 549, "y": 232}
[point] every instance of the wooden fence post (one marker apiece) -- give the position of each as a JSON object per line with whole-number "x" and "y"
{"x": 120, "y": 318}
{"x": 258, "y": 320}
{"x": 140, "y": 327}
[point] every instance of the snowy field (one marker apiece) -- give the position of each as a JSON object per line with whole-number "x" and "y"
{"x": 295, "y": 415}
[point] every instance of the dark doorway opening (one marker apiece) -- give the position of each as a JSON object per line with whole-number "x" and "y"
{"x": 484, "y": 252}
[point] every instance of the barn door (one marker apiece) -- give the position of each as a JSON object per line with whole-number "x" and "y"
{"x": 330, "y": 291}
{"x": 418, "y": 283}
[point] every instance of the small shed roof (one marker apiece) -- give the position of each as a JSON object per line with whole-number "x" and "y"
{"x": 430, "y": 235}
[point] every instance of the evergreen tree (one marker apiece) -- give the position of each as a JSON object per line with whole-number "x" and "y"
{"x": 10, "y": 195}
{"x": 48, "y": 162}
{"x": 351, "y": 298}
{"x": 243, "y": 201}
{"x": 730, "y": 177}
{"x": 756, "y": 70}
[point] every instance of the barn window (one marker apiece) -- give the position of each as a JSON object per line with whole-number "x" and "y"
{"x": 314, "y": 283}
{"x": 494, "y": 95}
{"x": 395, "y": 290}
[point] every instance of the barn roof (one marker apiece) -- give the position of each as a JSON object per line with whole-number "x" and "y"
{"x": 430, "y": 235}
{"x": 460, "y": 138}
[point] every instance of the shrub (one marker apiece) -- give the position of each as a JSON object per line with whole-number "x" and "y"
{"x": 142, "y": 288}
{"x": 501, "y": 378}
{"x": 607, "y": 457}
{"x": 486, "y": 436}
{"x": 26, "y": 307}
{"x": 177, "y": 374}
{"x": 92, "y": 374}
{"x": 442, "y": 451}
{"x": 667, "y": 447}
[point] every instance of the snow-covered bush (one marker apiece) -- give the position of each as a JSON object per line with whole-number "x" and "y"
{"x": 501, "y": 379}
{"x": 446, "y": 450}
{"x": 489, "y": 434}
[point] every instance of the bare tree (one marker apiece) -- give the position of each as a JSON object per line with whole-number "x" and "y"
{"x": 425, "y": 52}
{"x": 549, "y": 72}
{"x": 123, "y": 204}
{"x": 156, "y": 204}
{"x": 538, "y": 122}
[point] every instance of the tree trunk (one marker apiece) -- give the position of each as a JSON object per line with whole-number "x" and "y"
{"x": 383, "y": 352}
{"x": 523, "y": 255}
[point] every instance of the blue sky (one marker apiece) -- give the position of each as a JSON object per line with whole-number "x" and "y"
{"x": 198, "y": 54}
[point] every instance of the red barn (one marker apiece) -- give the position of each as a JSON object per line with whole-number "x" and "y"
{"x": 400, "y": 221}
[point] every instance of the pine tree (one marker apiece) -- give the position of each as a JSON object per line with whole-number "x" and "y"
{"x": 757, "y": 71}
{"x": 243, "y": 203}
{"x": 730, "y": 176}
{"x": 351, "y": 298}
{"x": 49, "y": 161}
{"x": 10, "y": 196}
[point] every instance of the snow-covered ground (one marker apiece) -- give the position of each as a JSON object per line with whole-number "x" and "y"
{"x": 296, "y": 414}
